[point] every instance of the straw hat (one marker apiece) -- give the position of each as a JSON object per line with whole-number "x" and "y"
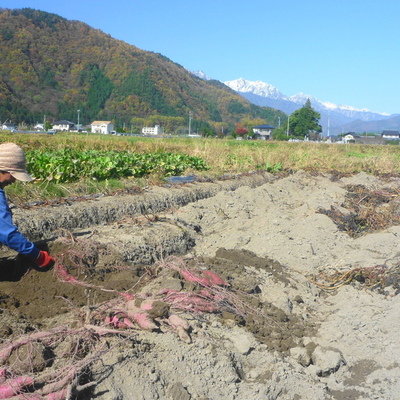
{"x": 12, "y": 160}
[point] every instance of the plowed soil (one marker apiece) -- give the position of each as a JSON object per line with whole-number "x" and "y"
{"x": 310, "y": 309}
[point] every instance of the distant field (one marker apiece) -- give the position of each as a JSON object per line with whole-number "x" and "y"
{"x": 222, "y": 156}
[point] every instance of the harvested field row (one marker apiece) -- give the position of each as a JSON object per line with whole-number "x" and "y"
{"x": 252, "y": 287}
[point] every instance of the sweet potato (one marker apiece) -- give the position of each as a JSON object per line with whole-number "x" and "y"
{"x": 144, "y": 321}
{"x": 175, "y": 321}
{"x": 214, "y": 278}
{"x": 14, "y": 386}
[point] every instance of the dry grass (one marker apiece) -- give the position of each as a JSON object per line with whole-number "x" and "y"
{"x": 368, "y": 277}
{"x": 368, "y": 210}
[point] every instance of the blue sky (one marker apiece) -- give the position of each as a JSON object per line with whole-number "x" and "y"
{"x": 342, "y": 51}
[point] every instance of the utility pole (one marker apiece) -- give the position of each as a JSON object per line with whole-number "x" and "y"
{"x": 329, "y": 123}
{"x": 78, "y": 111}
{"x": 190, "y": 121}
{"x": 288, "y": 122}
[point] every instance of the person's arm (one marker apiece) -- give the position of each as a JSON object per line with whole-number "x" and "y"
{"x": 9, "y": 234}
{"x": 11, "y": 237}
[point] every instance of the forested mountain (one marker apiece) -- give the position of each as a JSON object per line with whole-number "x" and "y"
{"x": 52, "y": 66}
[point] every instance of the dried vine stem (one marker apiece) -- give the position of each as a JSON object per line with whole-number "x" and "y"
{"x": 371, "y": 277}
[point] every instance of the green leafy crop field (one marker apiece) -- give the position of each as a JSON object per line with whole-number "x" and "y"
{"x": 67, "y": 164}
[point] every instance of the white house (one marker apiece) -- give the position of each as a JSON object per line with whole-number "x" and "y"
{"x": 391, "y": 135}
{"x": 8, "y": 127}
{"x": 104, "y": 127}
{"x": 152, "y": 130}
{"x": 39, "y": 127}
{"x": 348, "y": 138}
{"x": 265, "y": 131}
{"x": 63, "y": 125}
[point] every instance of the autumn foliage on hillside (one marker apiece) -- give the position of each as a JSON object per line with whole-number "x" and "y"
{"x": 54, "y": 66}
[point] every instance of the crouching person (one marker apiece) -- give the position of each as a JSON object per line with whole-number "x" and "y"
{"x": 12, "y": 168}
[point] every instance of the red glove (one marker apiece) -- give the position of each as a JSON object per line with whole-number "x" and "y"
{"x": 45, "y": 260}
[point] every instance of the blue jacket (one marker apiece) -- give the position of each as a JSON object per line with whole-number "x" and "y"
{"x": 9, "y": 234}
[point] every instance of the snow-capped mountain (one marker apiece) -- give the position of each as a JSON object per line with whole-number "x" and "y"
{"x": 258, "y": 88}
{"x": 268, "y": 91}
{"x": 333, "y": 116}
{"x": 352, "y": 112}
{"x": 201, "y": 75}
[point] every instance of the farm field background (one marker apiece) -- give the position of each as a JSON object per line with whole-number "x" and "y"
{"x": 75, "y": 164}
{"x": 278, "y": 239}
